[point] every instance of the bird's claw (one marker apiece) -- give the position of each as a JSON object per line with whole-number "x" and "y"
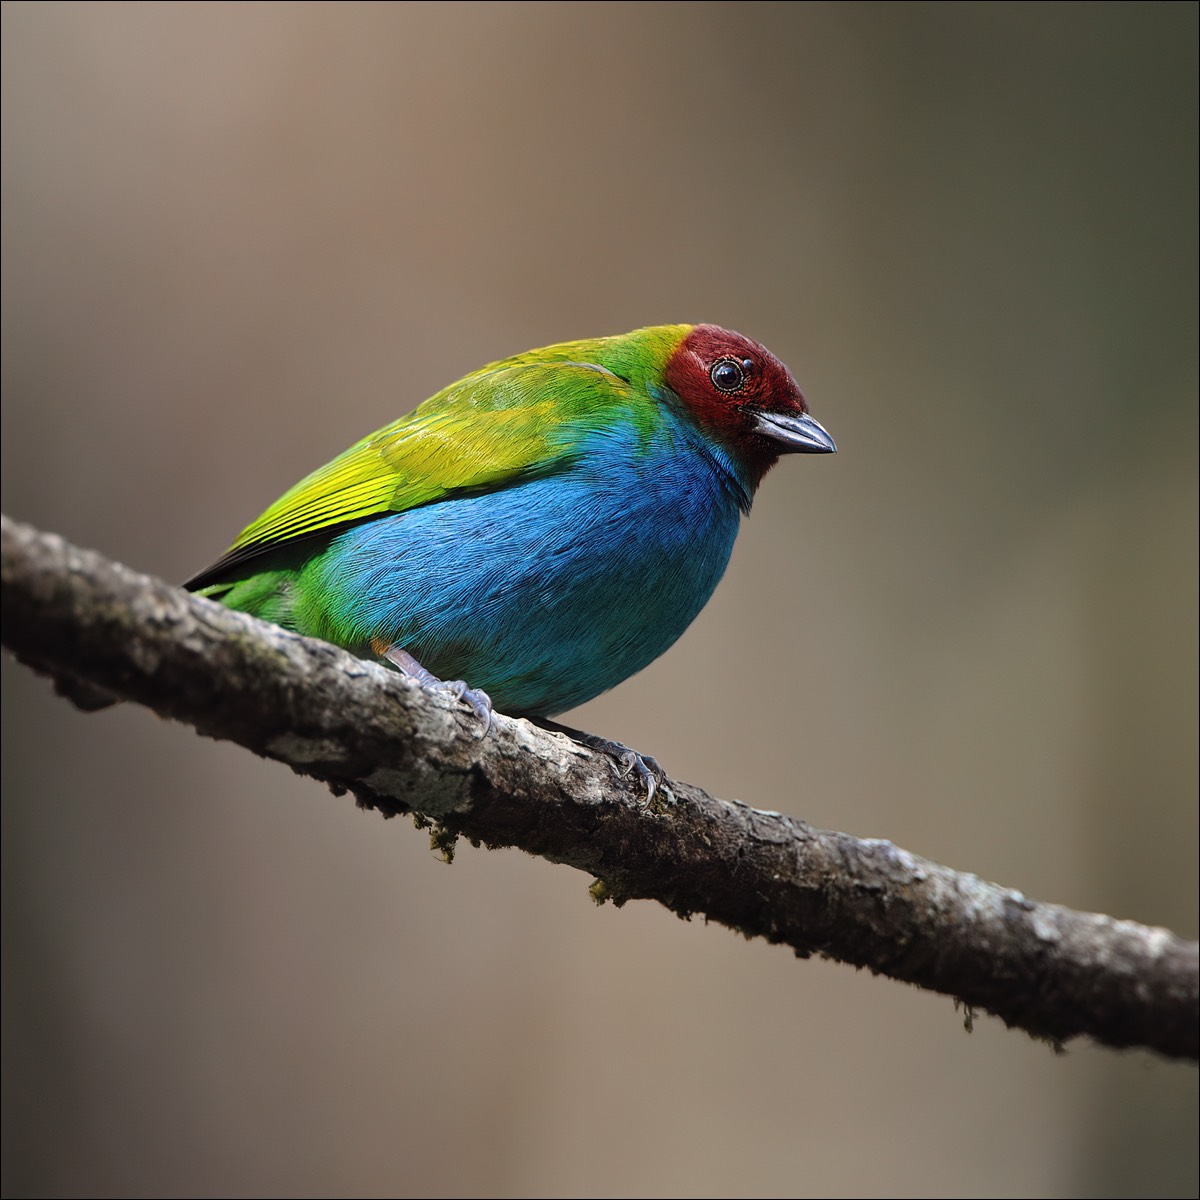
{"x": 475, "y": 698}
{"x": 625, "y": 761}
{"x": 645, "y": 768}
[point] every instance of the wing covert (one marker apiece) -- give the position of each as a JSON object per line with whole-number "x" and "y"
{"x": 495, "y": 428}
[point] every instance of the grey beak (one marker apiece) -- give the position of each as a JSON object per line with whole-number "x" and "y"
{"x": 795, "y": 434}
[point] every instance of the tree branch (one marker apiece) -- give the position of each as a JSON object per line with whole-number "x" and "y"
{"x": 361, "y": 728}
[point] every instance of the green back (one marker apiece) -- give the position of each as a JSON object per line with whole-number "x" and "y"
{"x": 512, "y": 420}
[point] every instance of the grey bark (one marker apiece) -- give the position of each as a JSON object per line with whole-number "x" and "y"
{"x": 360, "y": 728}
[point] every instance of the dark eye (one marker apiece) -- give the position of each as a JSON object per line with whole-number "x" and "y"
{"x": 727, "y": 375}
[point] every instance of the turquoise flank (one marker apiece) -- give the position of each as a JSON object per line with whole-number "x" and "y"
{"x": 546, "y": 593}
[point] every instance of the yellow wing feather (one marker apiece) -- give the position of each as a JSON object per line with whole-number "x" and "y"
{"x": 491, "y": 429}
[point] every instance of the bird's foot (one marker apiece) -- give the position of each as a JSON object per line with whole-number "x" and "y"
{"x": 626, "y": 761}
{"x": 475, "y": 698}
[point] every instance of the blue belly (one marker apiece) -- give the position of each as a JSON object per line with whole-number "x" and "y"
{"x": 546, "y": 593}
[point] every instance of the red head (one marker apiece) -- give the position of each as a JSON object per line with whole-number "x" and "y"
{"x": 742, "y": 395}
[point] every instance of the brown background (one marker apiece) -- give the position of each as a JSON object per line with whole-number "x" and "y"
{"x": 236, "y": 238}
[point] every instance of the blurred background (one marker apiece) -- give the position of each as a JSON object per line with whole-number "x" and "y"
{"x": 239, "y": 237}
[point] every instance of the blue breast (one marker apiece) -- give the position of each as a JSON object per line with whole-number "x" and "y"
{"x": 546, "y": 593}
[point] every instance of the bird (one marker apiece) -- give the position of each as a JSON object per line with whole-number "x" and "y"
{"x": 539, "y": 531}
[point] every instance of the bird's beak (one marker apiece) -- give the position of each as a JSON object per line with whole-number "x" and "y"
{"x": 796, "y": 434}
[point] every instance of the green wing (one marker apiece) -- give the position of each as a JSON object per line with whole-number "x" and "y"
{"x": 497, "y": 427}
